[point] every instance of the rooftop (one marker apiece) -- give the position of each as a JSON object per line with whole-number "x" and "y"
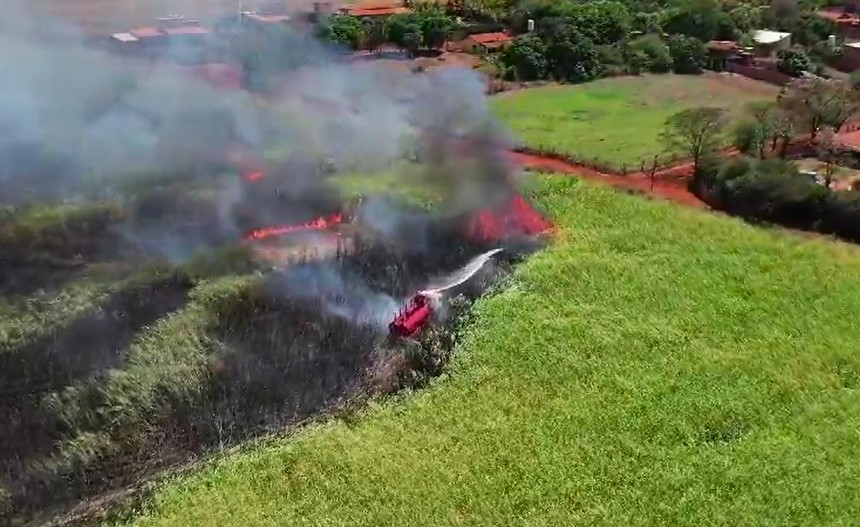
{"x": 124, "y": 37}
{"x": 187, "y": 30}
{"x": 377, "y": 11}
{"x": 839, "y": 16}
{"x": 491, "y": 39}
{"x": 146, "y": 32}
{"x": 766, "y": 36}
{"x": 268, "y": 19}
{"x": 723, "y": 45}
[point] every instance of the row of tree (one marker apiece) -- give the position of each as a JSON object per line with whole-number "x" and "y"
{"x": 571, "y": 56}
{"x": 424, "y": 28}
{"x": 815, "y": 107}
{"x": 631, "y": 36}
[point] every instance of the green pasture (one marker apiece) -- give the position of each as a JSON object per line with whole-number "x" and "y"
{"x": 617, "y": 121}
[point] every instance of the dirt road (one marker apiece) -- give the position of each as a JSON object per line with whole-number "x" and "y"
{"x": 670, "y": 184}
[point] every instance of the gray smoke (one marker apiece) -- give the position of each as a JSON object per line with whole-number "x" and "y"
{"x": 340, "y": 295}
{"x": 74, "y": 118}
{"x": 113, "y": 116}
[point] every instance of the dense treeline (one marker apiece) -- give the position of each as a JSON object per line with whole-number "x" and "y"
{"x": 578, "y": 41}
{"x": 763, "y": 184}
{"x": 425, "y": 28}
{"x": 773, "y": 190}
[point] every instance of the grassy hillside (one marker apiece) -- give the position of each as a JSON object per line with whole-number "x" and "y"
{"x": 658, "y": 366}
{"x": 617, "y": 121}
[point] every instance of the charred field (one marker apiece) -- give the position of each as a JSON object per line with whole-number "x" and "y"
{"x": 146, "y": 330}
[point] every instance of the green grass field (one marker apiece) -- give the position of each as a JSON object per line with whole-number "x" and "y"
{"x": 617, "y": 121}
{"x": 656, "y": 366}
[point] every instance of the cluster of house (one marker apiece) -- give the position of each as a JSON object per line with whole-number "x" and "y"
{"x": 722, "y": 55}
{"x": 182, "y": 39}
{"x": 766, "y": 44}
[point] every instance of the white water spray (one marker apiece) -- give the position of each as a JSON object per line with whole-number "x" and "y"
{"x": 461, "y": 275}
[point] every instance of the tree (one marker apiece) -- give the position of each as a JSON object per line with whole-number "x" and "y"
{"x": 784, "y": 129}
{"x": 412, "y": 41}
{"x": 374, "y": 36}
{"x": 652, "y": 52}
{"x": 829, "y": 151}
{"x": 602, "y": 21}
{"x": 345, "y": 30}
{"x": 819, "y": 102}
{"x": 746, "y": 17}
{"x": 688, "y": 54}
{"x": 763, "y": 117}
{"x": 695, "y": 132}
{"x": 573, "y": 57}
{"x": 702, "y": 19}
{"x": 398, "y": 26}
{"x": 435, "y": 27}
{"x": 526, "y": 58}
{"x": 648, "y": 23}
{"x": 748, "y": 138}
{"x": 793, "y": 62}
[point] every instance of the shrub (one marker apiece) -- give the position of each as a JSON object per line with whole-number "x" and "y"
{"x": 843, "y": 215}
{"x": 793, "y": 62}
{"x": 688, "y": 54}
{"x": 649, "y": 53}
{"x": 773, "y": 190}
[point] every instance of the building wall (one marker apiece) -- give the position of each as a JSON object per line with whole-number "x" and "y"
{"x": 470, "y": 46}
{"x": 768, "y": 50}
{"x": 850, "y": 59}
{"x": 763, "y": 74}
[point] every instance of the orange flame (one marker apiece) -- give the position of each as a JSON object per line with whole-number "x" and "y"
{"x": 319, "y": 224}
{"x": 253, "y": 177}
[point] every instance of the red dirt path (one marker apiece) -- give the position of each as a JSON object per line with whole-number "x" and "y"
{"x": 670, "y": 184}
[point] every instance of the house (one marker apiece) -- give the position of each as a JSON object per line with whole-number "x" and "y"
{"x": 720, "y": 52}
{"x": 375, "y": 12}
{"x": 846, "y": 21}
{"x": 265, "y": 20}
{"x": 375, "y": 9}
{"x": 850, "y": 59}
{"x": 486, "y": 42}
{"x": 768, "y": 43}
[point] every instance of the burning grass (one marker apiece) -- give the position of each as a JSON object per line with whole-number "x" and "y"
{"x": 630, "y": 375}
{"x": 183, "y": 359}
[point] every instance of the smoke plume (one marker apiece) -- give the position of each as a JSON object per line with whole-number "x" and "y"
{"x": 76, "y": 120}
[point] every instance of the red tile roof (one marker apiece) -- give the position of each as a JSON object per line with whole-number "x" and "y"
{"x": 187, "y": 30}
{"x": 839, "y": 16}
{"x": 722, "y": 45}
{"x": 146, "y": 32}
{"x": 377, "y": 11}
{"x": 491, "y": 39}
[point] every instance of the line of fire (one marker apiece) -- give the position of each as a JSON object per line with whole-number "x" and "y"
{"x": 336, "y": 235}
